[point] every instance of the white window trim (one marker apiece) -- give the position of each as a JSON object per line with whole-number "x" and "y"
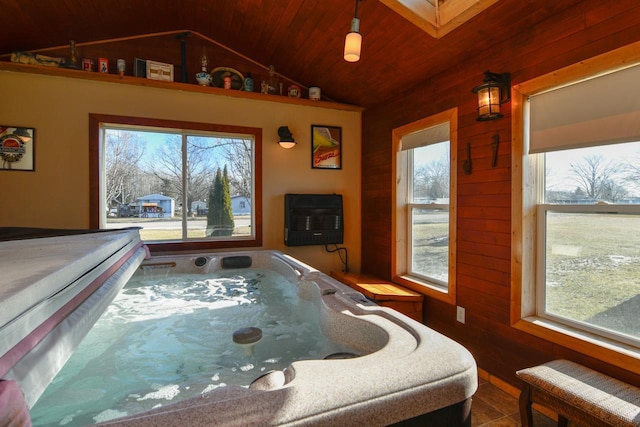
{"x": 541, "y": 247}
{"x": 525, "y": 192}
{"x": 400, "y": 224}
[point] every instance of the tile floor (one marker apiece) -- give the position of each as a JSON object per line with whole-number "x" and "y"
{"x": 493, "y": 407}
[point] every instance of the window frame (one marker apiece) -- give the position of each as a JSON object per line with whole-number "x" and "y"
{"x": 411, "y": 207}
{"x": 541, "y": 248}
{"x": 96, "y": 121}
{"x": 401, "y": 221}
{"x": 527, "y": 190}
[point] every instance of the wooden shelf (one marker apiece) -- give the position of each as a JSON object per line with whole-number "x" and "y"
{"x": 384, "y": 293}
{"x": 185, "y": 87}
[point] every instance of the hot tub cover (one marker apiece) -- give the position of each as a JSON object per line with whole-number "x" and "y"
{"x": 43, "y": 281}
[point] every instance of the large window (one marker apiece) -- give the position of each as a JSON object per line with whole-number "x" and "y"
{"x": 424, "y": 218}
{"x": 180, "y": 182}
{"x": 576, "y": 209}
{"x": 588, "y": 240}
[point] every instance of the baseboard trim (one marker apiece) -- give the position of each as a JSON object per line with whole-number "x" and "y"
{"x": 513, "y": 391}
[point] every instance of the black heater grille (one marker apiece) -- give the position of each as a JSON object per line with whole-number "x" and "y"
{"x": 313, "y": 219}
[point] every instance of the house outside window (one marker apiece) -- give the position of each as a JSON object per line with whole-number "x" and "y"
{"x": 425, "y": 205}
{"x": 175, "y": 181}
{"x": 576, "y": 209}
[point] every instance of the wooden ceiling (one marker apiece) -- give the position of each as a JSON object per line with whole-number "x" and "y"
{"x": 302, "y": 39}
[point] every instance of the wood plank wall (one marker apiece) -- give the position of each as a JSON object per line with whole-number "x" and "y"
{"x": 584, "y": 30}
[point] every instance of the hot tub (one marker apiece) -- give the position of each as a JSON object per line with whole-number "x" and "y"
{"x": 405, "y": 370}
{"x": 55, "y": 284}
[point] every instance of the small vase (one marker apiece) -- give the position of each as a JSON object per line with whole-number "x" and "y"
{"x": 204, "y": 79}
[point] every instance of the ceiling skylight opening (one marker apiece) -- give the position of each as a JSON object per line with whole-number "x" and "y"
{"x": 438, "y": 17}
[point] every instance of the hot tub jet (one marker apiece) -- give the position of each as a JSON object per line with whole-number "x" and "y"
{"x": 247, "y": 338}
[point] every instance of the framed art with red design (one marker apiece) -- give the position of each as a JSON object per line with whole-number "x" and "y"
{"x": 17, "y": 151}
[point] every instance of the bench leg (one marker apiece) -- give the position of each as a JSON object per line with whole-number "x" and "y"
{"x": 562, "y": 421}
{"x": 526, "y": 415}
{"x": 526, "y": 412}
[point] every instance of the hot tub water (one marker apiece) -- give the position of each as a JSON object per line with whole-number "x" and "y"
{"x": 165, "y": 339}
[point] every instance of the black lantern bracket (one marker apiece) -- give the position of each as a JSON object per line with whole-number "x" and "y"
{"x": 502, "y": 81}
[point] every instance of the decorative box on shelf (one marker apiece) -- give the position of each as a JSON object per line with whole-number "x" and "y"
{"x": 159, "y": 71}
{"x": 140, "y": 68}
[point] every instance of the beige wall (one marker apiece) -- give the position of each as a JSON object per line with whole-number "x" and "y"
{"x": 56, "y": 195}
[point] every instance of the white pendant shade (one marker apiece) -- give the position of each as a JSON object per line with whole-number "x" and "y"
{"x": 287, "y": 144}
{"x": 352, "y": 46}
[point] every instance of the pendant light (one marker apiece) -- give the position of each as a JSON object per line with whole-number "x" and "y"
{"x": 353, "y": 40}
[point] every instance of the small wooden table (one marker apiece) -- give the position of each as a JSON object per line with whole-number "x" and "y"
{"x": 384, "y": 293}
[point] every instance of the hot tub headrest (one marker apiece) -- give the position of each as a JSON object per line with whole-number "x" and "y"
{"x": 238, "y": 261}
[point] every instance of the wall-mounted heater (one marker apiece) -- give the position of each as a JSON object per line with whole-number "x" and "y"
{"x": 313, "y": 219}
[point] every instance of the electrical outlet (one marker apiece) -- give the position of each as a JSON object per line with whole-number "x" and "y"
{"x": 460, "y": 314}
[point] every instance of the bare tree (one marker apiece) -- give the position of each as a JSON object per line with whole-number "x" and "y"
{"x": 597, "y": 178}
{"x": 632, "y": 169}
{"x": 167, "y": 168}
{"x": 612, "y": 191}
{"x": 123, "y": 151}
{"x": 239, "y": 158}
{"x": 163, "y": 170}
{"x": 432, "y": 179}
{"x": 237, "y": 154}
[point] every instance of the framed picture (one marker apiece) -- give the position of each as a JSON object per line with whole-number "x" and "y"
{"x": 17, "y": 148}
{"x": 326, "y": 147}
{"x": 140, "y": 67}
{"x": 159, "y": 71}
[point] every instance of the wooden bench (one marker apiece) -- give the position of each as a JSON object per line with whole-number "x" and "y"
{"x": 384, "y": 293}
{"x": 576, "y": 393}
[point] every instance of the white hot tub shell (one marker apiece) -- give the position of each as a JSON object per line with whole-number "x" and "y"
{"x": 407, "y": 370}
{"x": 55, "y": 288}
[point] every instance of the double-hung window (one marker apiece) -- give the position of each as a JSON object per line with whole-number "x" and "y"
{"x": 425, "y": 200}
{"x": 578, "y": 228}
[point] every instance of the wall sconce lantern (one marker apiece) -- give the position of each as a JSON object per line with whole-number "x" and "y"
{"x": 285, "y": 138}
{"x": 353, "y": 40}
{"x": 494, "y": 91}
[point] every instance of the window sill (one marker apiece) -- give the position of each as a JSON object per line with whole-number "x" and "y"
{"x": 614, "y": 353}
{"x": 425, "y": 288}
